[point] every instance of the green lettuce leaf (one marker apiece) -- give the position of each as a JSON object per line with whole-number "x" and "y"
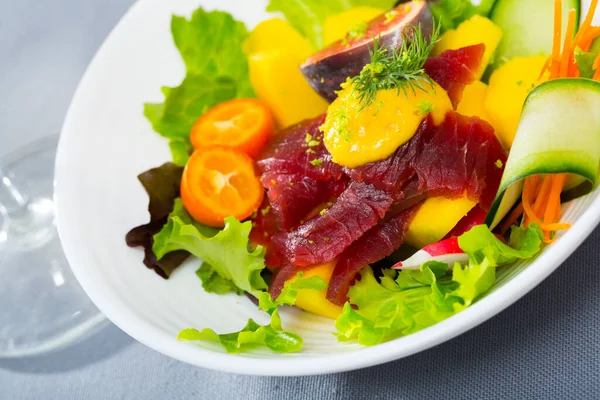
{"x": 408, "y": 301}
{"x": 479, "y": 244}
{"x": 226, "y": 250}
{"x": 585, "y": 62}
{"x": 254, "y": 335}
{"x": 450, "y": 13}
{"x": 210, "y": 44}
{"x": 290, "y": 292}
{"x": 180, "y": 151}
{"x": 212, "y": 282}
{"x": 308, "y": 16}
{"x": 251, "y": 336}
{"x": 229, "y": 266}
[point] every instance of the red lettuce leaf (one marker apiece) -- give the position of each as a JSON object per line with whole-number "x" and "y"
{"x": 162, "y": 185}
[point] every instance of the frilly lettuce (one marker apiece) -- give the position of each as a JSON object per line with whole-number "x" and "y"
{"x": 450, "y": 13}
{"x": 252, "y": 335}
{"x": 413, "y": 300}
{"x": 210, "y": 44}
{"x": 308, "y": 16}
{"x": 226, "y": 251}
{"x": 229, "y": 266}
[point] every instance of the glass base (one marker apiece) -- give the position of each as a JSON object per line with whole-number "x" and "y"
{"x": 42, "y": 307}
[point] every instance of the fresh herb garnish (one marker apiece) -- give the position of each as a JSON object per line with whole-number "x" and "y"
{"x": 359, "y": 31}
{"x": 425, "y": 107}
{"x": 400, "y": 68}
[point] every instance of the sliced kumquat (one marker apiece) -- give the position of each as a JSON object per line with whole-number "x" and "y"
{"x": 244, "y": 125}
{"x": 219, "y": 182}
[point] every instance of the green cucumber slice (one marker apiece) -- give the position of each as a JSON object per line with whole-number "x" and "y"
{"x": 559, "y": 132}
{"x": 527, "y": 27}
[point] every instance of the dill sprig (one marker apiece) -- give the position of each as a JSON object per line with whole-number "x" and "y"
{"x": 400, "y": 68}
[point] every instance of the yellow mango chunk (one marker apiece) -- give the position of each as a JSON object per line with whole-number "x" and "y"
{"x": 277, "y": 80}
{"x": 355, "y": 135}
{"x": 337, "y": 26}
{"x": 475, "y": 30}
{"x": 275, "y": 51}
{"x": 314, "y": 301}
{"x": 275, "y": 35}
{"x": 435, "y": 219}
{"x": 509, "y": 86}
{"x": 472, "y": 101}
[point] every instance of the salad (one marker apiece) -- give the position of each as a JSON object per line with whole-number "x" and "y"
{"x": 372, "y": 162}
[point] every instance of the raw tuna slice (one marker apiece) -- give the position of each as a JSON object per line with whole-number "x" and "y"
{"x": 379, "y": 242}
{"x": 299, "y": 149}
{"x": 454, "y": 69}
{"x": 460, "y": 156}
{"x": 264, "y": 224}
{"x": 293, "y": 196}
{"x": 321, "y": 239}
{"x": 298, "y": 173}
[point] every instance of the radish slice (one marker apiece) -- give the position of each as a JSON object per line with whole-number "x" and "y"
{"x": 446, "y": 251}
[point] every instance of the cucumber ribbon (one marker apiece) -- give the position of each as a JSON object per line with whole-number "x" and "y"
{"x": 559, "y": 132}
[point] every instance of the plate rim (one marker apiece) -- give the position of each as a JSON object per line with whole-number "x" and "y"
{"x": 503, "y": 297}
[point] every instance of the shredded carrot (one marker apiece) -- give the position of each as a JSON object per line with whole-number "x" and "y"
{"x": 541, "y": 201}
{"x": 555, "y": 65}
{"x": 594, "y": 32}
{"x": 573, "y": 71}
{"x": 511, "y": 219}
{"x": 567, "y": 54}
{"x": 559, "y": 226}
{"x": 587, "y": 22}
{"x": 585, "y": 26}
{"x": 545, "y": 68}
{"x": 557, "y": 214}
{"x": 527, "y": 199}
{"x": 558, "y": 181}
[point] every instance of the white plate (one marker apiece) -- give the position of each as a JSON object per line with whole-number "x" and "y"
{"x": 106, "y": 142}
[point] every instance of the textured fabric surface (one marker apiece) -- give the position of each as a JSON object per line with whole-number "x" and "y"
{"x": 546, "y": 346}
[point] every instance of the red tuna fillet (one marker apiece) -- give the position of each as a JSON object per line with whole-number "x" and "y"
{"x": 461, "y": 155}
{"x": 379, "y": 242}
{"x": 454, "y": 69}
{"x": 298, "y": 173}
{"x": 263, "y": 224}
{"x": 359, "y": 208}
{"x": 293, "y": 196}
{"x": 300, "y": 149}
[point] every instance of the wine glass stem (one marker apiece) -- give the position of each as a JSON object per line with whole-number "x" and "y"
{"x": 11, "y": 198}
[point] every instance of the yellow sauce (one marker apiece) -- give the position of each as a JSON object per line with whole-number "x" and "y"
{"x": 355, "y": 135}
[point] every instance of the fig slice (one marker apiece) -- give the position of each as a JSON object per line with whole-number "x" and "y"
{"x": 327, "y": 69}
